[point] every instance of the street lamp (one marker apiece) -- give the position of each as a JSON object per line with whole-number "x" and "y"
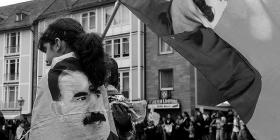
{"x": 20, "y": 103}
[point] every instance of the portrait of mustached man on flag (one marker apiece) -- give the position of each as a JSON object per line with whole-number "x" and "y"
{"x": 234, "y": 44}
{"x": 69, "y": 103}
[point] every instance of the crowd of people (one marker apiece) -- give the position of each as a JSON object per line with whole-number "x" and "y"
{"x": 14, "y": 129}
{"x": 200, "y": 126}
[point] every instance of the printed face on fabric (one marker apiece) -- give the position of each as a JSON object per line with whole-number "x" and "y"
{"x": 78, "y": 104}
{"x": 64, "y": 99}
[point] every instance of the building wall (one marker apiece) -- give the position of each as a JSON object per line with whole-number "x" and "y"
{"x": 2, "y": 46}
{"x": 182, "y": 70}
{"x": 133, "y": 63}
{"x": 25, "y": 70}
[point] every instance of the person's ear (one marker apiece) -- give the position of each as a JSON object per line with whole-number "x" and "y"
{"x": 58, "y": 45}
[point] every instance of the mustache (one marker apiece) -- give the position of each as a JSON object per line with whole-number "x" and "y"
{"x": 94, "y": 117}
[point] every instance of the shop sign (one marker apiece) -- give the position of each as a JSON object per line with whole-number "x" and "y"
{"x": 164, "y": 104}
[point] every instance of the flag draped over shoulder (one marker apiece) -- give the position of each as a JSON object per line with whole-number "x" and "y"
{"x": 225, "y": 68}
{"x": 252, "y": 27}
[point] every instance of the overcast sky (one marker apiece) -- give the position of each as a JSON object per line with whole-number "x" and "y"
{"x": 9, "y": 2}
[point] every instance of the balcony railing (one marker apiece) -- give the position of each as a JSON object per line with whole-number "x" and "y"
{"x": 11, "y": 77}
{"x": 12, "y": 49}
{"x": 9, "y": 105}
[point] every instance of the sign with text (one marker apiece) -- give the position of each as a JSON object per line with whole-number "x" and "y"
{"x": 164, "y": 104}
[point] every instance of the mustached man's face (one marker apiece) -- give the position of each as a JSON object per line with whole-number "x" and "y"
{"x": 84, "y": 109}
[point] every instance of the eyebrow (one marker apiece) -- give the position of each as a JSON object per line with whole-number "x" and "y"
{"x": 80, "y": 94}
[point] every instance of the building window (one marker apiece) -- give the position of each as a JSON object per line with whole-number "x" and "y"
{"x": 166, "y": 79}
{"x": 121, "y": 17}
{"x": 13, "y": 42}
{"x": 108, "y": 47}
{"x": 164, "y": 48}
{"x": 124, "y": 83}
{"x": 20, "y": 16}
{"x": 125, "y": 47}
{"x": 11, "y": 69}
{"x": 89, "y": 20}
{"x": 119, "y": 48}
{"x": 10, "y": 96}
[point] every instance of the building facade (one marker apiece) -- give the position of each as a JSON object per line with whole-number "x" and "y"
{"x": 124, "y": 41}
{"x": 169, "y": 77}
{"x": 16, "y": 57}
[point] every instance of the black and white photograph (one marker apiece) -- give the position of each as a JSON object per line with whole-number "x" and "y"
{"x": 139, "y": 69}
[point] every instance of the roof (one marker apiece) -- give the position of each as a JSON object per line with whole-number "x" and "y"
{"x": 30, "y": 8}
{"x": 41, "y": 9}
{"x": 58, "y": 7}
{"x": 84, "y": 4}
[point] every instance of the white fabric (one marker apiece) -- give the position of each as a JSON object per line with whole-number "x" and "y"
{"x": 60, "y": 58}
{"x": 235, "y": 125}
{"x": 63, "y": 119}
{"x": 252, "y": 27}
{"x": 168, "y": 128}
{"x": 186, "y": 16}
{"x": 19, "y": 132}
{"x": 155, "y": 117}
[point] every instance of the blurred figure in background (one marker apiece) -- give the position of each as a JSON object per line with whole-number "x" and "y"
{"x": 3, "y": 132}
{"x": 229, "y": 126}
{"x": 185, "y": 126}
{"x": 198, "y": 124}
{"x": 236, "y": 127}
{"x": 169, "y": 127}
{"x": 207, "y": 121}
{"x": 191, "y": 129}
{"x": 244, "y": 133}
{"x": 150, "y": 131}
{"x": 20, "y": 131}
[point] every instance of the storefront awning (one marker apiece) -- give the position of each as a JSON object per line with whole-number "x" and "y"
{"x": 10, "y": 117}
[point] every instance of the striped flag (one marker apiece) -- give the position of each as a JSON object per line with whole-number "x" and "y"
{"x": 237, "y": 51}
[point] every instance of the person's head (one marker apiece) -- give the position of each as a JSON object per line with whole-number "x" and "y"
{"x": 67, "y": 35}
{"x": 235, "y": 114}
{"x": 21, "y": 124}
{"x": 206, "y": 115}
{"x": 186, "y": 115}
{"x": 59, "y": 38}
{"x": 198, "y": 113}
{"x": 168, "y": 116}
{"x": 179, "y": 117}
{"x": 192, "y": 118}
{"x": 113, "y": 73}
{"x": 163, "y": 119}
{"x": 183, "y": 115}
{"x": 230, "y": 112}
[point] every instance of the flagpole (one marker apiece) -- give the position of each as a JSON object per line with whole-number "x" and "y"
{"x": 116, "y": 7}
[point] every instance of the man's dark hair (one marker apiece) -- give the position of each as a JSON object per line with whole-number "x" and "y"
{"x": 205, "y": 9}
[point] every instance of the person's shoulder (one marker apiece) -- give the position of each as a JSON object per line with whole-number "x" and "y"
{"x": 68, "y": 69}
